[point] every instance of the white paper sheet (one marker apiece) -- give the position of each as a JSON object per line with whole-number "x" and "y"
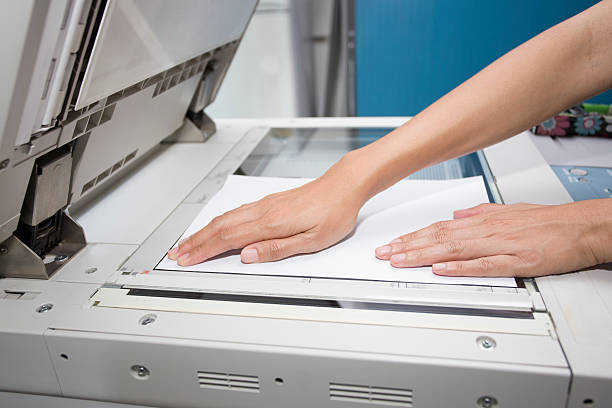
{"x": 407, "y": 206}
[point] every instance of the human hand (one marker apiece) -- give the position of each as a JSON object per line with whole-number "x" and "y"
{"x": 522, "y": 240}
{"x": 302, "y": 220}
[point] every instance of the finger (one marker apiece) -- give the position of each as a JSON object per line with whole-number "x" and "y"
{"x": 440, "y": 228}
{"x": 493, "y": 266}
{"x": 479, "y": 209}
{"x": 437, "y": 233}
{"x": 173, "y": 253}
{"x": 458, "y": 250}
{"x": 228, "y": 238}
{"x": 243, "y": 214}
{"x": 432, "y": 237}
{"x": 276, "y": 249}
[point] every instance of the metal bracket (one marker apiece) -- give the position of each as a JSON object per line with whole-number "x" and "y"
{"x": 17, "y": 260}
{"x": 197, "y": 128}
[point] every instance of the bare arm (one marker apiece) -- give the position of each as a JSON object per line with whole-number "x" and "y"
{"x": 560, "y": 67}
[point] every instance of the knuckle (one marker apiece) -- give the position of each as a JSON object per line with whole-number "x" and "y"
{"x": 272, "y": 223}
{"x": 310, "y": 240}
{"x": 226, "y": 233}
{"x": 485, "y": 265}
{"x": 269, "y": 199}
{"x": 454, "y": 247}
{"x": 190, "y": 242}
{"x": 198, "y": 254}
{"x": 496, "y": 223}
{"x": 419, "y": 256}
{"x": 441, "y": 225}
{"x": 268, "y": 225}
{"x": 275, "y": 250}
{"x": 399, "y": 246}
{"x": 440, "y": 232}
{"x": 408, "y": 237}
{"x": 529, "y": 257}
{"x": 263, "y": 204}
{"x": 217, "y": 222}
{"x": 404, "y": 239}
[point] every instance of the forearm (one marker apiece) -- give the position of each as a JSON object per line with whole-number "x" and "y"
{"x": 560, "y": 67}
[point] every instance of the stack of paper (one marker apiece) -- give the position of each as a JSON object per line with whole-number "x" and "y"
{"x": 405, "y": 207}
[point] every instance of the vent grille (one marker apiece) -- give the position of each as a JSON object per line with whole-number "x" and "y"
{"x": 97, "y": 118}
{"x": 105, "y": 108}
{"x": 180, "y": 73}
{"x": 232, "y": 382}
{"x": 395, "y": 397}
{"x": 87, "y": 186}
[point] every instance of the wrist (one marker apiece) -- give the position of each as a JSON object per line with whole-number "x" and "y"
{"x": 355, "y": 176}
{"x": 377, "y": 166}
{"x": 599, "y": 212}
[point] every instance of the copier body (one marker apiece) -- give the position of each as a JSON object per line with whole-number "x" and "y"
{"x": 107, "y": 155}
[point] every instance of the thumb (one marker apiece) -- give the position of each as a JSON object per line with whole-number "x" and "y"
{"x": 275, "y": 249}
{"x": 479, "y": 209}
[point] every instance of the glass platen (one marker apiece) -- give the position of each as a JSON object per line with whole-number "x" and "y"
{"x": 309, "y": 152}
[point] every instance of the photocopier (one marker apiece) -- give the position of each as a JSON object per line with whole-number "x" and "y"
{"x": 107, "y": 155}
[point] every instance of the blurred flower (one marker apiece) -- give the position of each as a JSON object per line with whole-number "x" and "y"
{"x": 587, "y": 125}
{"x": 555, "y": 126}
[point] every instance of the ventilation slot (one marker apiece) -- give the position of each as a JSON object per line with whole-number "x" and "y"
{"x": 94, "y": 120}
{"x": 179, "y": 74}
{"x": 108, "y": 172}
{"x": 88, "y": 186}
{"x": 130, "y": 156}
{"x": 394, "y": 397}
{"x": 232, "y": 382}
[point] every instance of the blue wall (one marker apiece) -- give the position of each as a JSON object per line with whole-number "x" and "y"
{"x": 411, "y": 52}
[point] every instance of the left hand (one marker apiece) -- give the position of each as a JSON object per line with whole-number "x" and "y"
{"x": 510, "y": 240}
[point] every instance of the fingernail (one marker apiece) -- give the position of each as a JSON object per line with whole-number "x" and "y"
{"x": 172, "y": 253}
{"x": 397, "y": 258}
{"x": 383, "y": 250}
{"x": 395, "y": 241}
{"x": 182, "y": 261}
{"x": 438, "y": 268}
{"x": 249, "y": 255}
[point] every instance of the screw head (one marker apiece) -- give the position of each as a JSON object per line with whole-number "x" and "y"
{"x": 486, "y": 401}
{"x": 60, "y": 258}
{"x": 4, "y": 163}
{"x": 486, "y": 342}
{"x": 140, "y": 372}
{"x": 147, "y": 319}
{"x": 3, "y": 250}
{"x": 44, "y": 308}
{"x": 90, "y": 270}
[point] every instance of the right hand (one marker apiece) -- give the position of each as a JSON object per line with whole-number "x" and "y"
{"x": 302, "y": 220}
